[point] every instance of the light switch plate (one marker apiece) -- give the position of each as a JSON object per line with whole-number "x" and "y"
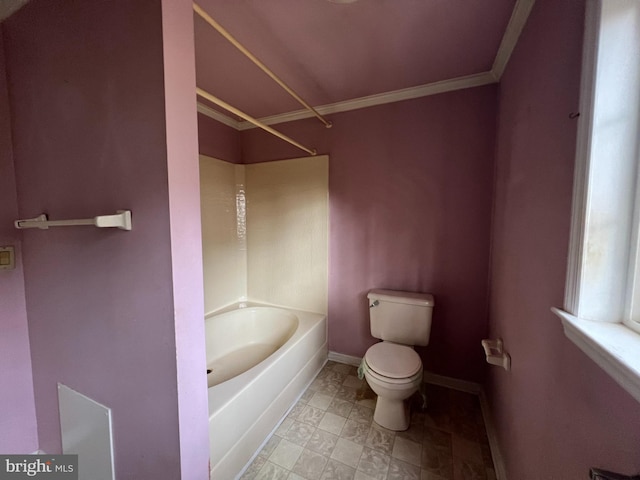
{"x": 7, "y": 258}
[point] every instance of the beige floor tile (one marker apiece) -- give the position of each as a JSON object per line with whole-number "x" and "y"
{"x": 361, "y": 414}
{"x": 367, "y": 402}
{"x": 347, "y": 393}
{"x": 311, "y": 415}
{"x": 337, "y": 471}
{"x": 286, "y": 454}
{"x": 332, "y": 423}
{"x": 436, "y": 438}
{"x": 362, "y": 476}
{"x": 399, "y": 470}
{"x": 271, "y": 471}
{"x": 284, "y": 426}
{"x": 347, "y": 452}
{"x": 437, "y": 460}
{"x": 425, "y": 475}
{"x": 407, "y": 451}
{"x": 380, "y": 439}
{"x": 299, "y": 433}
{"x": 252, "y": 471}
{"x": 269, "y": 447}
{"x": 466, "y": 470}
{"x": 306, "y": 396}
{"x": 322, "y": 442}
{"x": 466, "y": 450}
{"x": 296, "y": 410}
{"x": 310, "y": 465}
{"x": 374, "y": 463}
{"x": 340, "y": 407}
{"x": 352, "y": 381}
{"x": 356, "y": 432}
{"x": 335, "y": 376}
{"x": 320, "y": 400}
{"x": 345, "y": 369}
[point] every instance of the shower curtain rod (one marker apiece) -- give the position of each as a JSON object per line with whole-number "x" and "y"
{"x": 221, "y": 30}
{"x": 249, "y": 118}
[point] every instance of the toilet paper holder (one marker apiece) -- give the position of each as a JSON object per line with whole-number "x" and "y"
{"x": 494, "y": 351}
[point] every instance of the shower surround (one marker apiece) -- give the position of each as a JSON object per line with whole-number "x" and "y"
{"x": 265, "y": 233}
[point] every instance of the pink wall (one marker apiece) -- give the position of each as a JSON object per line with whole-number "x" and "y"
{"x": 410, "y": 201}
{"x": 557, "y": 412}
{"x": 108, "y": 309}
{"x": 217, "y": 140}
{"x": 186, "y": 235}
{"x": 17, "y": 407}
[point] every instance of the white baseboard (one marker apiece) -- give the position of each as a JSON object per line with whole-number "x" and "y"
{"x": 455, "y": 384}
{"x": 346, "y": 359}
{"x": 489, "y": 425}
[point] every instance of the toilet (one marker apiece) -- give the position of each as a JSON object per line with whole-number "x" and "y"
{"x": 392, "y": 368}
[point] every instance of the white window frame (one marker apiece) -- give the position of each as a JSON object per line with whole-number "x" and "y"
{"x": 599, "y": 315}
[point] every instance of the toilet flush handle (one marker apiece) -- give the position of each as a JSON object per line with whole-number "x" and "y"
{"x": 374, "y": 304}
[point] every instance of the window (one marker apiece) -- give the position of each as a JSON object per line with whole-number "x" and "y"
{"x": 602, "y": 303}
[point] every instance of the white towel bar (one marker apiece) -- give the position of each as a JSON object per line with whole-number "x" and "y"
{"x": 121, "y": 220}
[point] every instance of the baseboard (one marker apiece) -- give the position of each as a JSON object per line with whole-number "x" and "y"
{"x": 496, "y": 455}
{"x": 455, "y": 384}
{"x": 346, "y": 359}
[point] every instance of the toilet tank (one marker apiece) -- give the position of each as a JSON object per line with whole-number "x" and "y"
{"x": 400, "y": 317}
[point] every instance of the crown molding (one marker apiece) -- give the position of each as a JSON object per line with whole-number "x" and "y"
{"x": 434, "y": 88}
{"x": 519, "y": 16}
{"x": 459, "y": 83}
{"x": 220, "y": 117}
{"x": 516, "y": 24}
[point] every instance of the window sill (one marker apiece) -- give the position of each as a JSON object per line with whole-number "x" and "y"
{"x": 613, "y": 346}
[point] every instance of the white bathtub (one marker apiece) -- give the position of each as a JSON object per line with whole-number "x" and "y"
{"x": 262, "y": 358}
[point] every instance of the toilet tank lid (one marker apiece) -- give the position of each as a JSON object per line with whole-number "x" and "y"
{"x": 396, "y": 296}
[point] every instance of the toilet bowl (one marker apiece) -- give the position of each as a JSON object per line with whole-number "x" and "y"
{"x": 394, "y": 373}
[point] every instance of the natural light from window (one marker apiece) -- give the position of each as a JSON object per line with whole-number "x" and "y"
{"x": 602, "y": 302}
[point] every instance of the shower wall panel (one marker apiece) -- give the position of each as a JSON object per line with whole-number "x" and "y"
{"x": 265, "y": 232}
{"x": 287, "y": 219}
{"x": 223, "y": 232}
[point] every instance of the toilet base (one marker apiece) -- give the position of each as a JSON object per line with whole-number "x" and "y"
{"x": 392, "y": 414}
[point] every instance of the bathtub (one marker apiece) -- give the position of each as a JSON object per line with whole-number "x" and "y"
{"x": 260, "y": 359}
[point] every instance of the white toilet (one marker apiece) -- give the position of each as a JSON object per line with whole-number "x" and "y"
{"x": 392, "y": 367}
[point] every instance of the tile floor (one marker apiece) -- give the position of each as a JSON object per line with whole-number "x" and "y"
{"x": 330, "y": 435}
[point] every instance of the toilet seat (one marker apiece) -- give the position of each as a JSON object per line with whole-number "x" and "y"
{"x": 392, "y": 362}
{"x": 392, "y": 383}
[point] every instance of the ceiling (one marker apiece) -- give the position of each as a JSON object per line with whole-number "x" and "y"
{"x": 329, "y": 53}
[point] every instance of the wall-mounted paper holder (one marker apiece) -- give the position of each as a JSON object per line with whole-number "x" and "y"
{"x": 121, "y": 220}
{"x": 494, "y": 351}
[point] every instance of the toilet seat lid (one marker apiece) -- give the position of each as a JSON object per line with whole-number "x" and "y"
{"x": 393, "y": 360}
